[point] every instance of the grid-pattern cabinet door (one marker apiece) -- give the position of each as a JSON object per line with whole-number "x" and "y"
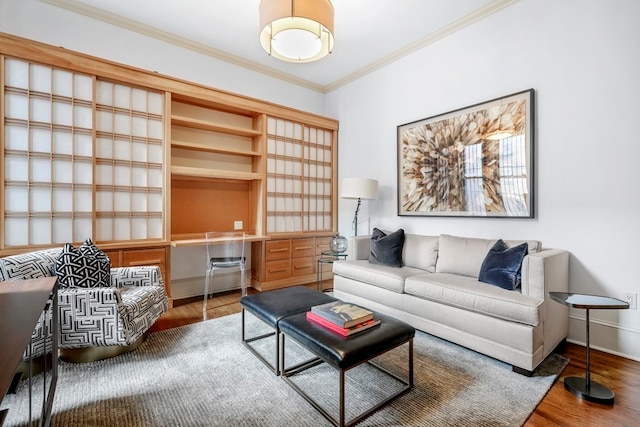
{"x": 47, "y": 155}
{"x": 300, "y": 173}
{"x": 129, "y": 171}
{"x": 80, "y": 158}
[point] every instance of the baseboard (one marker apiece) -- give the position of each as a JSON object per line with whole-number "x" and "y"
{"x": 604, "y": 336}
{"x": 194, "y": 286}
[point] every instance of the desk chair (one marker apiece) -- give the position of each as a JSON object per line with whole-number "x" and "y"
{"x": 225, "y": 252}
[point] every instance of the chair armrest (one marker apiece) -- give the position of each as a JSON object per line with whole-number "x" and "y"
{"x": 136, "y": 276}
{"x": 359, "y": 247}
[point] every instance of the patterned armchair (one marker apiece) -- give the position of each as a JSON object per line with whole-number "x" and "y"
{"x": 117, "y": 315}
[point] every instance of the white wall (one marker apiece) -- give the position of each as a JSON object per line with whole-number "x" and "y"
{"x": 39, "y": 21}
{"x": 582, "y": 58}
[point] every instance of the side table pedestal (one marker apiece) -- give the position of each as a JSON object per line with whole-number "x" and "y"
{"x": 585, "y": 388}
{"x": 328, "y": 257}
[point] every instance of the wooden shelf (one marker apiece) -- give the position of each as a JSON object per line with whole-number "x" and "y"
{"x": 214, "y": 127}
{"x": 209, "y": 149}
{"x": 214, "y": 173}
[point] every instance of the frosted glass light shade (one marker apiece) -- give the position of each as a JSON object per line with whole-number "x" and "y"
{"x": 359, "y": 188}
{"x": 296, "y": 30}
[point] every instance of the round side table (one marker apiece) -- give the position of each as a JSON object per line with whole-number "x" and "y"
{"x": 584, "y": 387}
{"x": 328, "y": 257}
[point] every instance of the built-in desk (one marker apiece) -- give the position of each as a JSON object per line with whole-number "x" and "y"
{"x": 191, "y": 240}
{"x": 21, "y": 304}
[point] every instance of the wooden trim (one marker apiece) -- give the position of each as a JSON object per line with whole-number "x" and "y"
{"x": 166, "y": 171}
{"x": 2, "y": 160}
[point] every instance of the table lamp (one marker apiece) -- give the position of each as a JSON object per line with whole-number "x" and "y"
{"x": 358, "y": 188}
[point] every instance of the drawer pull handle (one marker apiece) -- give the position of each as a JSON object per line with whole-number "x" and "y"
{"x": 299, "y": 267}
{"x": 278, "y": 250}
{"x": 277, "y": 270}
{"x": 302, "y": 248}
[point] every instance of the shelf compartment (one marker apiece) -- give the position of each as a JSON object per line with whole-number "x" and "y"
{"x": 214, "y": 173}
{"x": 196, "y": 205}
{"x": 209, "y": 149}
{"x": 213, "y": 127}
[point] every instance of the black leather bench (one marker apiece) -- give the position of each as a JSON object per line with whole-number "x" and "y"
{"x": 273, "y": 306}
{"x": 344, "y": 353}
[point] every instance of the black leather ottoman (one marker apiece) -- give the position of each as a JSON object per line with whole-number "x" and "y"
{"x": 273, "y": 306}
{"x": 344, "y": 353}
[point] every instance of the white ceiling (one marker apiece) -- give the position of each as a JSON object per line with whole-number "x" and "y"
{"x": 369, "y": 33}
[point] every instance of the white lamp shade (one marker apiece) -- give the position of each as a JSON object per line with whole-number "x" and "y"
{"x": 297, "y": 30}
{"x": 359, "y": 188}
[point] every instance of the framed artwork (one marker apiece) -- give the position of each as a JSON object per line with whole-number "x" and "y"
{"x": 473, "y": 162}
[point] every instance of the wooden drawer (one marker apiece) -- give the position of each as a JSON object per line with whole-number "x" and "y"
{"x": 278, "y": 269}
{"x": 322, "y": 244}
{"x": 277, "y": 249}
{"x": 146, "y": 257}
{"x": 114, "y": 256}
{"x": 303, "y": 266}
{"x": 143, "y": 257}
{"x": 302, "y": 247}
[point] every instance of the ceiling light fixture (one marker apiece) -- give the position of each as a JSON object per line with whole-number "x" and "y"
{"x": 297, "y": 30}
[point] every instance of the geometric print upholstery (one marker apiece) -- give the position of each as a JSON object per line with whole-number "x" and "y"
{"x": 108, "y": 316}
{"x": 115, "y": 315}
{"x": 82, "y": 268}
{"x": 32, "y": 265}
{"x": 136, "y": 276}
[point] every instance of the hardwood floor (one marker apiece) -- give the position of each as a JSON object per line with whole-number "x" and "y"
{"x": 558, "y": 408}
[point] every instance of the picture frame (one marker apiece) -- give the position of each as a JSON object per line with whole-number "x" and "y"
{"x": 476, "y": 161}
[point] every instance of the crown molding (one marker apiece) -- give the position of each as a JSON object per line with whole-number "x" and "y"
{"x": 183, "y": 42}
{"x": 155, "y": 33}
{"x": 443, "y": 32}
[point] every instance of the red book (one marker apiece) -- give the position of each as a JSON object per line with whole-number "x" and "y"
{"x": 342, "y": 331}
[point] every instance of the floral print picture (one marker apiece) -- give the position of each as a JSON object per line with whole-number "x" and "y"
{"x": 476, "y": 161}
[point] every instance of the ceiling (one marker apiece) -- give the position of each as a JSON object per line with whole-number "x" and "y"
{"x": 369, "y": 33}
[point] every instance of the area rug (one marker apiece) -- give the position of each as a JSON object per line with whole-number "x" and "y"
{"x": 202, "y": 375}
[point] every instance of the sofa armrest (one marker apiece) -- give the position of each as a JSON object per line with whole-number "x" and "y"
{"x": 136, "y": 276}
{"x": 359, "y": 247}
{"x": 545, "y": 271}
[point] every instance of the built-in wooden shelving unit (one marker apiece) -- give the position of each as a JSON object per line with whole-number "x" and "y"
{"x": 143, "y": 162}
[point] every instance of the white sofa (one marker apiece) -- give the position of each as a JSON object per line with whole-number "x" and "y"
{"x": 437, "y": 291}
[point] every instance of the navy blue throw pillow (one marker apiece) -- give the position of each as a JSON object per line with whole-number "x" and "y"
{"x": 386, "y": 249}
{"x": 502, "y": 265}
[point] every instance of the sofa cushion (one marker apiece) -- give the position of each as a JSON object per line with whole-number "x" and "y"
{"x": 76, "y": 269}
{"x": 420, "y": 252}
{"x": 470, "y": 294}
{"x": 31, "y": 265}
{"x": 502, "y": 265}
{"x": 461, "y": 255}
{"x": 464, "y": 255}
{"x": 390, "y": 278}
{"x": 386, "y": 249}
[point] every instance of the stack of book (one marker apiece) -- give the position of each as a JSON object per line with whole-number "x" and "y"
{"x": 342, "y": 317}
